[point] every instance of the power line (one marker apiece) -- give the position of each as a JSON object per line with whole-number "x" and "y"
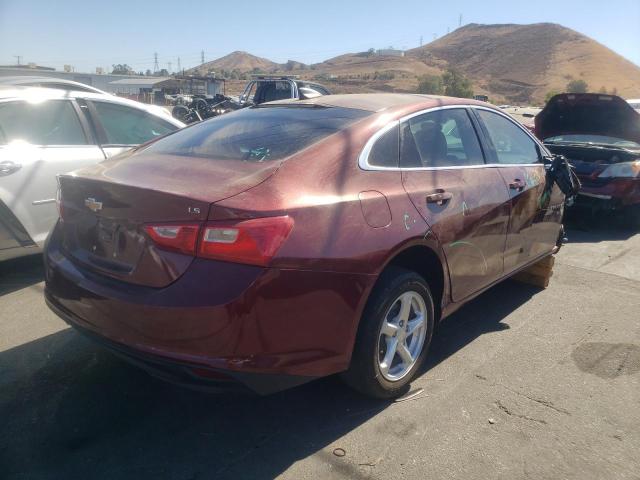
{"x": 18, "y": 58}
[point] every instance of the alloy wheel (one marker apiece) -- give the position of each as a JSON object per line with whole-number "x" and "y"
{"x": 402, "y": 336}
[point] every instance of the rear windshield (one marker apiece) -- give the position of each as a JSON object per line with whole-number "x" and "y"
{"x": 258, "y": 134}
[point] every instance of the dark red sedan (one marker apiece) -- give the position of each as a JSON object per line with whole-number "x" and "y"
{"x": 299, "y": 239}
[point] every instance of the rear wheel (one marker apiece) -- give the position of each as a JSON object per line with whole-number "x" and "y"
{"x": 394, "y": 335}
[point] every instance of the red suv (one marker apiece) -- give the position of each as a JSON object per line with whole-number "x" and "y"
{"x": 299, "y": 239}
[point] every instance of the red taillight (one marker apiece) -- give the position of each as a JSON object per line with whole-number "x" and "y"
{"x": 254, "y": 241}
{"x": 177, "y": 238}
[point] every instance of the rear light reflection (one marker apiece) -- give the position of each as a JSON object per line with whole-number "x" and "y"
{"x": 177, "y": 238}
{"x": 253, "y": 242}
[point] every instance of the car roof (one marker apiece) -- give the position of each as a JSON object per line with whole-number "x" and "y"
{"x": 8, "y": 92}
{"x": 377, "y": 102}
{"x": 29, "y": 79}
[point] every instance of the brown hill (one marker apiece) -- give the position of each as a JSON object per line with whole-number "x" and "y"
{"x": 239, "y": 61}
{"x": 524, "y": 62}
{"x": 510, "y": 63}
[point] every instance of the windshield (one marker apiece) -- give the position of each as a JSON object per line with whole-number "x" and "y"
{"x": 593, "y": 139}
{"x": 258, "y": 134}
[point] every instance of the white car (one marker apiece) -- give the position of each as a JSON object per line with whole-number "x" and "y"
{"x": 635, "y": 103}
{"x": 45, "y": 132}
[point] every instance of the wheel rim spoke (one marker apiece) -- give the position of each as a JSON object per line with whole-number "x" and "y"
{"x": 405, "y": 354}
{"x": 415, "y": 324}
{"x": 405, "y": 307}
{"x": 389, "y": 329}
{"x": 392, "y": 345}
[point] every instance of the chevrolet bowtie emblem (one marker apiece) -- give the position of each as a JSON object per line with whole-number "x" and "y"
{"x": 92, "y": 205}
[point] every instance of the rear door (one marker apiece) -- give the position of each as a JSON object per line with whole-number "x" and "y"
{"x": 465, "y": 202}
{"x": 39, "y": 141}
{"x": 121, "y": 127}
{"x": 533, "y": 226}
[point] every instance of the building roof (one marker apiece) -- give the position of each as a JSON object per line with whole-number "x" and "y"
{"x": 140, "y": 82}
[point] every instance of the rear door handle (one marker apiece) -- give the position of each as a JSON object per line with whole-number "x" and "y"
{"x": 517, "y": 184}
{"x": 440, "y": 197}
{"x": 8, "y": 167}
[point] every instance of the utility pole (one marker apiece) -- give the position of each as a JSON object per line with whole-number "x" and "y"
{"x": 448, "y": 30}
{"x": 169, "y": 65}
{"x": 155, "y": 63}
{"x": 179, "y": 65}
{"x": 202, "y": 56}
{"x": 460, "y": 20}
{"x": 420, "y": 40}
{"x": 18, "y": 58}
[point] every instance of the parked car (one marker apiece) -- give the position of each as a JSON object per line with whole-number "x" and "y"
{"x": 525, "y": 115}
{"x": 600, "y": 135}
{"x": 261, "y": 89}
{"x": 269, "y": 88}
{"x": 45, "y": 132}
{"x": 300, "y": 239}
{"x": 48, "y": 82}
{"x": 635, "y": 103}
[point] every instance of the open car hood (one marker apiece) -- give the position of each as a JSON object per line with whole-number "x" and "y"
{"x": 588, "y": 114}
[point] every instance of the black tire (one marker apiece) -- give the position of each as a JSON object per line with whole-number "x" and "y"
{"x": 364, "y": 372}
{"x": 180, "y": 112}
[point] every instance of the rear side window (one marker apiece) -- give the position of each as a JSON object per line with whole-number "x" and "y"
{"x": 129, "y": 126}
{"x": 258, "y": 134}
{"x": 511, "y": 143}
{"x": 272, "y": 91}
{"x": 384, "y": 152}
{"x": 52, "y": 122}
{"x": 443, "y": 138}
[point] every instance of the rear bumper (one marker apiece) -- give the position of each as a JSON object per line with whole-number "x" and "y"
{"x": 182, "y": 373}
{"x": 254, "y": 325}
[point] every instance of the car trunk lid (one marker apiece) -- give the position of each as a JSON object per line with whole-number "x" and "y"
{"x": 106, "y": 207}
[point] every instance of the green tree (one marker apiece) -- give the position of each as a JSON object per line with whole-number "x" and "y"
{"x": 577, "y": 86}
{"x": 550, "y": 94}
{"x": 121, "y": 69}
{"x": 431, "y": 84}
{"x": 456, "y": 84}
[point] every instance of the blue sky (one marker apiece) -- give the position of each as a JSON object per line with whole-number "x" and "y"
{"x": 74, "y": 32}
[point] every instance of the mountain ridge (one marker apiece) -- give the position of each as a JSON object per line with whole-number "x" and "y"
{"x": 518, "y": 63}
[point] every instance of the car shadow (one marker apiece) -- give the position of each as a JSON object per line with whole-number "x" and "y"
{"x": 20, "y": 273}
{"x": 73, "y": 410}
{"x": 585, "y": 227}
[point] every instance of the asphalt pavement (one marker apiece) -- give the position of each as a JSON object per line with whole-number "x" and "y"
{"x": 520, "y": 383}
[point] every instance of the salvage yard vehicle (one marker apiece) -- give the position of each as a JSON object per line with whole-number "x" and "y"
{"x": 262, "y": 89}
{"x": 525, "y": 115}
{"x": 45, "y": 132}
{"x": 301, "y": 239}
{"x": 268, "y": 88}
{"x": 600, "y": 136}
